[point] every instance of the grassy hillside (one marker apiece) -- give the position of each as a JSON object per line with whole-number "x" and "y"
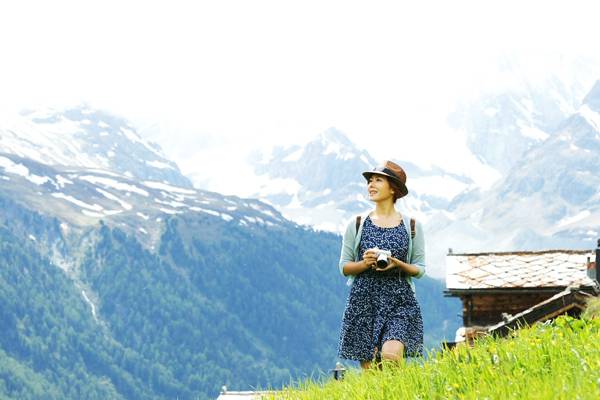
{"x": 559, "y": 360}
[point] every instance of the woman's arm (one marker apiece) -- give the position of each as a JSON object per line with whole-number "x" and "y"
{"x": 347, "y": 254}
{"x": 410, "y": 269}
{"x": 418, "y": 251}
{"x": 355, "y": 267}
{"x": 347, "y": 263}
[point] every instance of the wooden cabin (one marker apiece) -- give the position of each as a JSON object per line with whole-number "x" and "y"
{"x": 503, "y": 290}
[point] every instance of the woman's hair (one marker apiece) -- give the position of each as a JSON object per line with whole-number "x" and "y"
{"x": 396, "y": 188}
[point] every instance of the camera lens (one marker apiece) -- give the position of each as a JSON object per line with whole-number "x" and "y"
{"x": 382, "y": 261}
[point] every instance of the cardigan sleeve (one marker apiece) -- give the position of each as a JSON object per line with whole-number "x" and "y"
{"x": 347, "y": 253}
{"x": 418, "y": 250}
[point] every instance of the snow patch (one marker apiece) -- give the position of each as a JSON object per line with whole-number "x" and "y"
{"x": 143, "y": 230}
{"x": 159, "y": 164}
{"x": 142, "y": 215}
{"x": 103, "y": 172}
{"x": 77, "y": 202}
{"x": 38, "y": 180}
{"x": 332, "y": 148}
{"x": 263, "y": 211}
{"x": 11, "y": 167}
{"x": 92, "y": 306}
{"x": 591, "y": 116}
{"x": 167, "y": 188}
{"x": 174, "y": 204}
{"x": 111, "y": 196}
{"x": 92, "y": 214}
{"x": 211, "y": 212}
{"x": 569, "y": 220}
{"x": 112, "y": 212}
{"x": 21, "y": 170}
{"x": 62, "y": 181}
{"x": 226, "y": 217}
{"x": 32, "y": 238}
{"x": 129, "y": 134}
{"x": 108, "y": 182}
{"x": 534, "y": 133}
{"x": 103, "y": 124}
{"x": 168, "y": 211}
{"x": 256, "y": 220}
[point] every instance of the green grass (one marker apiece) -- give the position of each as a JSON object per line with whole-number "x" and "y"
{"x": 559, "y": 360}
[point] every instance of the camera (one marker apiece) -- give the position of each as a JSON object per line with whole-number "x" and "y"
{"x": 382, "y": 258}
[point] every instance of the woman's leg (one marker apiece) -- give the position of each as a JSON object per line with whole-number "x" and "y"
{"x": 392, "y": 350}
{"x": 367, "y": 364}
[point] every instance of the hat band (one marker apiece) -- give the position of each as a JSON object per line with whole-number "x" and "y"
{"x": 386, "y": 171}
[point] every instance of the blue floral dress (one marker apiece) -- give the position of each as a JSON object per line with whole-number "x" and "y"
{"x": 381, "y": 306}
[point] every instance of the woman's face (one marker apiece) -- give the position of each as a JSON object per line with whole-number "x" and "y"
{"x": 379, "y": 188}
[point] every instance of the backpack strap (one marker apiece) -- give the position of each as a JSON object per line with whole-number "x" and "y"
{"x": 358, "y": 217}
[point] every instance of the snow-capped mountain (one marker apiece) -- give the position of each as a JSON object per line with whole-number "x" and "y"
{"x": 505, "y": 121}
{"x": 92, "y": 139}
{"x": 82, "y": 166}
{"x": 540, "y": 138}
{"x": 549, "y": 199}
{"x": 321, "y": 184}
{"x": 144, "y": 266}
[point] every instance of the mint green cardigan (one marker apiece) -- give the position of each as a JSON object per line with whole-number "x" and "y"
{"x": 351, "y": 240}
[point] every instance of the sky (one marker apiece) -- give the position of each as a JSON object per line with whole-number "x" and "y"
{"x": 210, "y": 80}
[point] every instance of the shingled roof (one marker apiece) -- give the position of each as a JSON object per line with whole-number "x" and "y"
{"x": 531, "y": 269}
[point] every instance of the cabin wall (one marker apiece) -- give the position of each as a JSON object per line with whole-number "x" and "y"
{"x": 482, "y": 310}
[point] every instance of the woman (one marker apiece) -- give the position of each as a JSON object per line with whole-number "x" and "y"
{"x": 382, "y": 319}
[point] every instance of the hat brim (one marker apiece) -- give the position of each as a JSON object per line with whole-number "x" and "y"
{"x": 403, "y": 188}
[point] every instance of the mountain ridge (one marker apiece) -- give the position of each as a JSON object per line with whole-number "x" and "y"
{"x": 174, "y": 290}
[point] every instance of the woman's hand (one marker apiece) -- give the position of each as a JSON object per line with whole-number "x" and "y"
{"x": 392, "y": 263}
{"x": 370, "y": 257}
